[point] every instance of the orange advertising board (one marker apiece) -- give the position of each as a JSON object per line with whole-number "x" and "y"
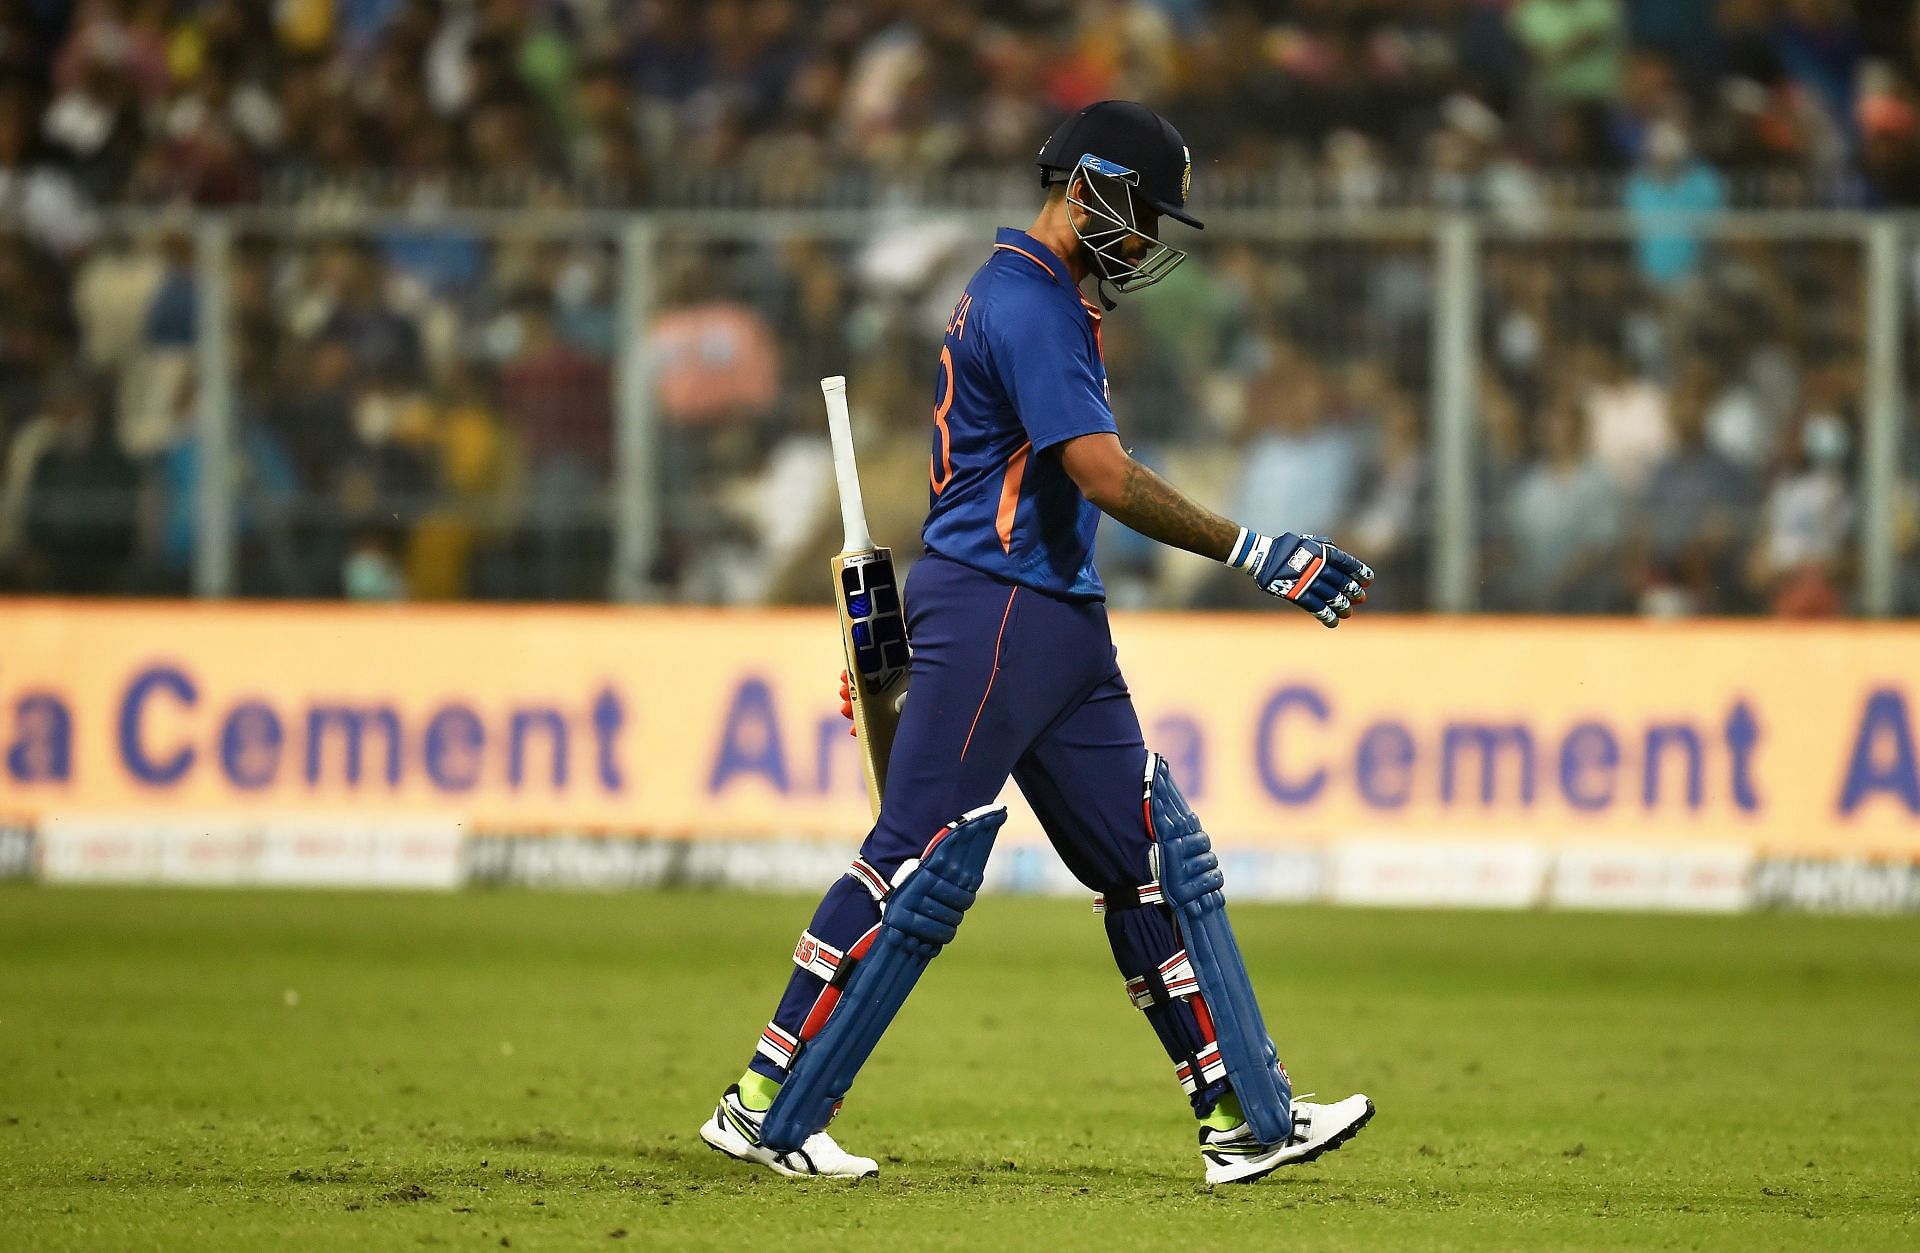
{"x": 693, "y": 723}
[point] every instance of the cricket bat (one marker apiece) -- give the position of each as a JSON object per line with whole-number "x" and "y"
{"x": 873, "y": 628}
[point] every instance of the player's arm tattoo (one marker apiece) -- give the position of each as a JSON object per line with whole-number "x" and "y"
{"x": 1160, "y": 511}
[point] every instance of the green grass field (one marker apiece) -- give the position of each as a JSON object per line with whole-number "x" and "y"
{"x": 250, "y": 1070}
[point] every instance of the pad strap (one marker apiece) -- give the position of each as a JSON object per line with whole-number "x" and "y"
{"x": 821, "y": 958}
{"x": 872, "y": 880}
{"x": 1173, "y": 981}
{"x": 1207, "y": 1061}
{"x": 1176, "y": 976}
{"x": 1129, "y": 898}
{"x": 777, "y": 1045}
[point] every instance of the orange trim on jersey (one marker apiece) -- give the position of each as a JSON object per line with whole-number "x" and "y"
{"x": 1093, "y": 311}
{"x": 1023, "y": 252}
{"x": 1010, "y": 495}
{"x": 997, "y": 640}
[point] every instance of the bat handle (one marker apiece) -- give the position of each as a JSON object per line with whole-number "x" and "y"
{"x": 853, "y": 510}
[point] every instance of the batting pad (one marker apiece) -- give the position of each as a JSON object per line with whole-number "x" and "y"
{"x": 1192, "y": 883}
{"x": 919, "y": 916}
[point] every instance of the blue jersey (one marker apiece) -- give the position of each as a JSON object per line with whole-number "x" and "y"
{"x": 1020, "y": 372}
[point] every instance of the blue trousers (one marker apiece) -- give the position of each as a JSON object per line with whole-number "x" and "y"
{"x": 1010, "y": 682}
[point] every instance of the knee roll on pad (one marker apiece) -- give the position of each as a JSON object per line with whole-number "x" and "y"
{"x": 932, "y": 916}
{"x": 1190, "y": 878}
{"x": 920, "y": 915}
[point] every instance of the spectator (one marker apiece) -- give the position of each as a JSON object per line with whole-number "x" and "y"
{"x": 69, "y": 498}
{"x": 112, "y": 296}
{"x": 1650, "y": 92}
{"x": 1890, "y": 150}
{"x": 1695, "y": 512}
{"x": 264, "y": 489}
{"x": 65, "y": 401}
{"x": 718, "y": 367}
{"x": 558, "y": 399}
{"x": 1800, "y": 564}
{"x": 1300, "y": 457}
{"x": 1470, "y": 169}
{"x": 157, "y": 378}
{"x": 1390, "y": 519}
{"x": 94, "y": 125}
{"x": 1819, "y": 46}
{"x": 125, "y": 39}
{"x": 1666, "y": 196}
{"x": 1743, "y": 424}
{"x": 453, "y": 552}
{"x": 1682, "y": 30}
{"x": 35, "y": 327}
{"x": 1563, "y": 526}
{"x": 313, "y": 418}
{"x": 34, "y": 191}
{"x": 372, "y": 568}
{"x": 386, "y": 479}
{"x": 1627, "y": 425}
{"x": 1577, "y": 47}
{"x": 559, "y": 405}
{"x": 379, "y": 339}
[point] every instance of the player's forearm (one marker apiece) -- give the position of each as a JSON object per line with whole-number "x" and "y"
{"x": 1160, "y": 511}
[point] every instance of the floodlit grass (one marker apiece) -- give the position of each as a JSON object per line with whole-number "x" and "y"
{"x": 249, "y": 1070}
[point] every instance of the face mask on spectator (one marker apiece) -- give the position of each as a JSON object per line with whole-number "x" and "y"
{"x": 1825, "y": 440}
{"x": 1666, "y": 144}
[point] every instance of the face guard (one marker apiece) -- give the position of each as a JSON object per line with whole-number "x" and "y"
{"x": 1105, "y": 195}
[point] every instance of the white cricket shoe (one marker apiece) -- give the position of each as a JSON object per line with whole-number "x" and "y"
{"x": 735, "y": 1130}
{"x": 1236, "y": 1157}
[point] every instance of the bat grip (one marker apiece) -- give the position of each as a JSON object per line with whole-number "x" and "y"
{"x": 846, "y": 472}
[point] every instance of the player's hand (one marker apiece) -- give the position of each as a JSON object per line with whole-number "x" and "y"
{"x": 846, "y": 702}
{"x": 1307, "y": 570}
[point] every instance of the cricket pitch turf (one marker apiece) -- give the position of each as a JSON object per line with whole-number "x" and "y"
{"x": 246, "y": 1070}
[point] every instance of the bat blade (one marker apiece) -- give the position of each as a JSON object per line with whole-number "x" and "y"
{"x": 873, "y": 633}
{"x": 873, "y": 629}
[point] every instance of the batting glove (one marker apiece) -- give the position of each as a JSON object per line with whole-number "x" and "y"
{"x": 1305, "y": 569}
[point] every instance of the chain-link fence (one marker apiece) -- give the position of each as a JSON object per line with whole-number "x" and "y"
{"x": 1581, "y": 413}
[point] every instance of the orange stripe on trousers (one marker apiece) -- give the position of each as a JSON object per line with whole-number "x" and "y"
{"x": 997, "y": 640}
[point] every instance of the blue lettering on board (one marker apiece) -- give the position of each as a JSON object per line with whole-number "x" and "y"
{"x": 750, "y": 739}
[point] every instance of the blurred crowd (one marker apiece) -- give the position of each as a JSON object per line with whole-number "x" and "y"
{"x": 413, "y": 414}
{"x": 1668, "y": 418}
{"x": 431, "y": 415}
{"x": 621, "y": 101}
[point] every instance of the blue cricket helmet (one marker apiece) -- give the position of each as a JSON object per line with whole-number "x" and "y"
{"x": 1124, "y": 133}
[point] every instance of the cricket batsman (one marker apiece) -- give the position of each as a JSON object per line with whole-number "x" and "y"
{"x": 1014, "y": 674}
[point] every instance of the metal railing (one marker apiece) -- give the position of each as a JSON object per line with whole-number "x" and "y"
{"x": 1446, "y": 260}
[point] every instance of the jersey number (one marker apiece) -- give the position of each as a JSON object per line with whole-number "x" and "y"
{"x": 940, "y": 467}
